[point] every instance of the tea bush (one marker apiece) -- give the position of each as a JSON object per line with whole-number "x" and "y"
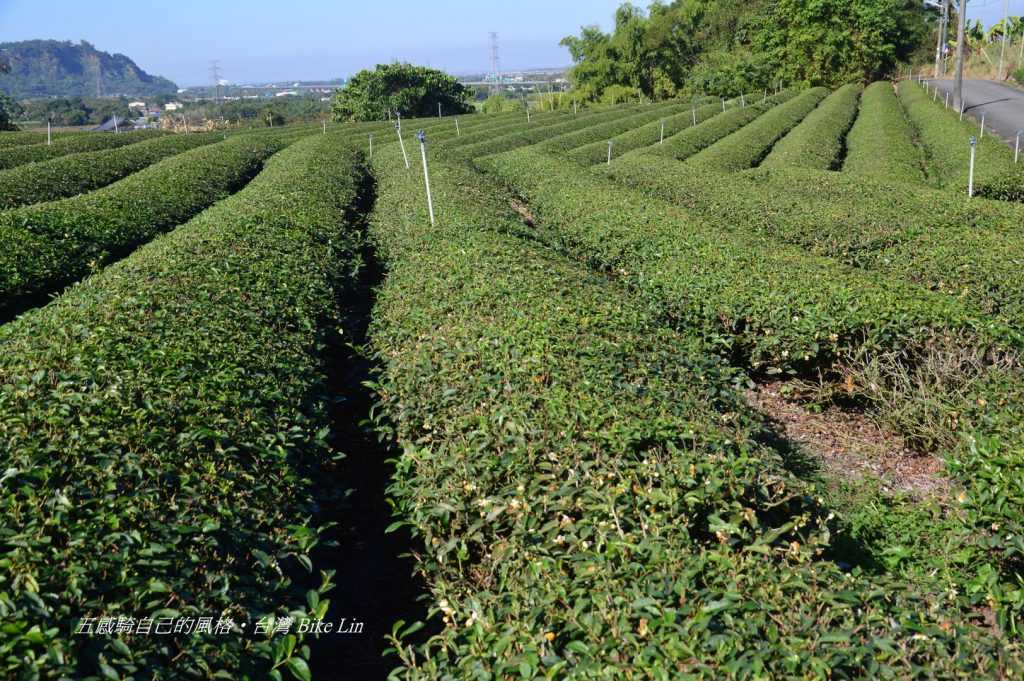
{"x": 80, "y": 173}
{"x": 819, "y": 141}
{"x": 50, "y": 245}
{"x": 162, "y": 425}
{"x": 71, "y": 144}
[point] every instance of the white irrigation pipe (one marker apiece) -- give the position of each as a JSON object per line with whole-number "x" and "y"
{"x": 970, "y": 174}
{"x": 982, "y": 136}
{"x": 1016, "y": 147}
{"x": 609, "y": 152}
{"x": 458, "y": 133}
{"x": 662, "y": 141}
{"x": 401, "y": 142}
{"x": 426, "y": 174}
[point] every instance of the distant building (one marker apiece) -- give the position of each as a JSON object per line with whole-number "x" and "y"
{"x": 136, "y": 105}
{"x": 172, "y": 106}
{"x": 286, "y": 93}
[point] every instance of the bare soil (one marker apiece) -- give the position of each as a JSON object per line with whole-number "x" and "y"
{"x": 849, "y": 445}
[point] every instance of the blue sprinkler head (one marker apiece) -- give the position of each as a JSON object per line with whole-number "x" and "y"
{"x": 421, "y": 136}
{"x": 974, "y": 140}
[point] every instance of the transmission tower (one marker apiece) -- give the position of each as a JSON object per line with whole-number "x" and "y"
{"x": 495, "y": 64}
{"x": 215, "y": 75}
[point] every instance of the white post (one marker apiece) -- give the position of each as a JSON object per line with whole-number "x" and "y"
{"x": 575, "y": 108}
{"x": 662, "y": 141}
{"x": 765, "y": 98}
{"x": 48, "y": 140}
{"x": 401, "y": 142}
{"x": 982, "y": 135}
{"x": 935, "y": 97}
{"x": 426, "y": 174}
{"x": 970, "y": 174}
{"x": 116, "y": 131}
{"x": 723, "y": 103}
{"x": 439, "y": 109}
{"x": 961, "y": 110}
{"x": 1016, "y": 147}
{"x": 947, "y": 100}
{"x": 743, "y": 101}
{"x": 371, "y": 147}
{"x": 695, "y": 116}
{"x": 325, "y": 127}
{"x": 609, "y": 152}
{"x": 458, "y": 133}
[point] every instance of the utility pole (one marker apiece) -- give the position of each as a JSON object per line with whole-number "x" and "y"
{"x": 940, "y": 47}
{"x": 958, "y": 81}
{"x": 1006, "y": 26}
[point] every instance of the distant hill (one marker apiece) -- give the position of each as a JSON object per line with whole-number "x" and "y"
{"x": 51, "y": 68}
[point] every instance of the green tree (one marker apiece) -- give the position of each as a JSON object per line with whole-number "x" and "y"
{"x": 500, "y": 104}
{"x": 731, "y": 46}
{"x": 9, "y": 109}
{"x": 399, "y": 87}
{"x": 829, "y": 42}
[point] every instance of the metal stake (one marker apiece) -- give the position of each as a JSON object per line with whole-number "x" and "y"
{"x": 426, "y": 174}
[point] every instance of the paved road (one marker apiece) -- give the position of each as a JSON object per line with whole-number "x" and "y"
{"x": 1002, "y": 105}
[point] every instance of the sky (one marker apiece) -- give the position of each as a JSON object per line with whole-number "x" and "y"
{"x": 262, "y": 40}
{"x": 271, "y": 40}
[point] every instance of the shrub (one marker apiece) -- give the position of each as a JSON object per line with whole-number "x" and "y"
{"x": 747, "y": 146}
{"x": 692, "y": 140}
{"x": 72, "y": 144}
{"x": 585, "y": 483}
{"x": 50, "y": 245}
{"x": 79, "y": 173}
{"x": 164, "y": 423}
{"x": 945, "y": 139}
{"x": 881, "y": 143}
{"x": 602, "y": 131}
{"x": 819, "y": 140}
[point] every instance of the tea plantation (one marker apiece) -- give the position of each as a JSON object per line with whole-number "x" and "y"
{"x": 211, "y": 345}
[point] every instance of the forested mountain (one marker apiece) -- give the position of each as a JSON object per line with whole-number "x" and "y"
{"x": 51, "y": 68}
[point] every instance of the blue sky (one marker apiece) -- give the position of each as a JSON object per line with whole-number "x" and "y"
{"x": 259, "y": 40}
{"x": 308, "y": 39}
